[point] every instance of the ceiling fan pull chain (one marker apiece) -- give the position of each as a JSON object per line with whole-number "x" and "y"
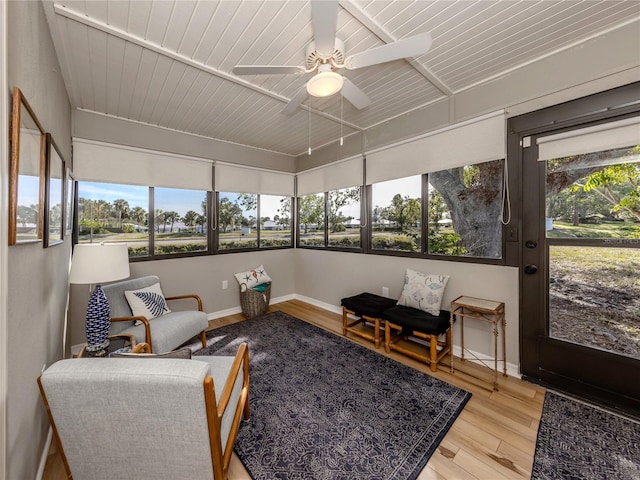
{"x": 309, "y": 123}
{"x": 341, "y": 115}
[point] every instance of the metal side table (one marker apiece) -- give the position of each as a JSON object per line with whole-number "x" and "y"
{"x": 489, "y": 311}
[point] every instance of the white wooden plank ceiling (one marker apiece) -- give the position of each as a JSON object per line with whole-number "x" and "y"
{"x": 169, "y": 63}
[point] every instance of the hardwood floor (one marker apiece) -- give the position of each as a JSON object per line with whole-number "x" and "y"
{"x": 493, "y": 438}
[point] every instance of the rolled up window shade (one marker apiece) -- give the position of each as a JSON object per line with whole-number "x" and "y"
{"x": 240, "y": 179}
{"x": 475, "y": 141}
{"x": 606, "y": 136}
{"x": 110, "y": 163}
{"x": 343, "y": 174}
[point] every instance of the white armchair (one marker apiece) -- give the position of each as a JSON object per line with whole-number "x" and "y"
{"x": 163, "y": 333}
{"x": 156, "y": 419}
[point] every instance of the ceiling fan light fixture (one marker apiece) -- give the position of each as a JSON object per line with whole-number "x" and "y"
{"x": 325, "y": 84}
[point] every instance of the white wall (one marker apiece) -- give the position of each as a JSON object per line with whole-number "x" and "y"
{"x": 203, "y": 276}
{"x": 328, "y": 276}
{"x": 4, "y": 241}
{"x": 37, "y": 287}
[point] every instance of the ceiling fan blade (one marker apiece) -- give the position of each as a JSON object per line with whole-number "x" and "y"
{"x": 324, "y": 19}
{"x": 266, "y": 69}
{"x": 354, "y": 95}
{"x": 405, "y": 48}
{"x": 295, "y": 102}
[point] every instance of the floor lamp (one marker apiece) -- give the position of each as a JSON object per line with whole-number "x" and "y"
{"x": 93, "y": 264}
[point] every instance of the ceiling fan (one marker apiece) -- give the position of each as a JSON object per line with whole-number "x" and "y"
{"x": 325, "y": 55}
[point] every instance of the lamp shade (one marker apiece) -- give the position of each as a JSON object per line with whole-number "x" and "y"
{"x": 99, "y": 262}
{"x": 325, "y": 84}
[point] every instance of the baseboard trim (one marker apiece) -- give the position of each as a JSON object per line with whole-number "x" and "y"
{"x": 318, "y": 303}
{"x": 235, "y": 310}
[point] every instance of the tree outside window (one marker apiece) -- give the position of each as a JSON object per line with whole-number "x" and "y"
{"x": 180, "y": 219}
{"x": 114, "y": 213}
{"x": 464, "y": 211}
{"x": 343, "y": 217}
{"x": 396, "y": 213}
{"x": 311, "y": 220}
{"x": 275, "y": 221}
{"x": 237, "y": 220}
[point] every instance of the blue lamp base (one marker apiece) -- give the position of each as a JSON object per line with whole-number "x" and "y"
{"x": 98, "y": 323}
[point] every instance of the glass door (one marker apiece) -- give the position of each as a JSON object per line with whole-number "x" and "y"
{"x": 581, "y": 261}
{"x": 592, "y": 229}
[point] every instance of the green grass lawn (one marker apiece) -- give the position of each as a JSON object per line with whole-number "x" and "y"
{"x": 600, "y": 230}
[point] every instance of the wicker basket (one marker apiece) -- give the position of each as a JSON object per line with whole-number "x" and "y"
{"x": 252, "y": 302}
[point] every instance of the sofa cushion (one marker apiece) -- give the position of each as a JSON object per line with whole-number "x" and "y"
{"x": 170, "y": 330}
{"x": 412, "y": 319}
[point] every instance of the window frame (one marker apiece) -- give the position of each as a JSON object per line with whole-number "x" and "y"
{"x": 326, "y": 246}
{"x": 215, "y": 237}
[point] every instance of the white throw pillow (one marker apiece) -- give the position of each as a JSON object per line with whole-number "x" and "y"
{"x": 423, "y": 291}
{"x": 147, "y": 302}
{"x": 253, "y": 277}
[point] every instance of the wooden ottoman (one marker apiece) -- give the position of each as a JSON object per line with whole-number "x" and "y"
{"x": 403, "y": 322}
{"x": 369, "y": 308}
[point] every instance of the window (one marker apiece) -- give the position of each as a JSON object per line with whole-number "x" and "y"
{"x": 180, "y": 221}
{"x": 464, "y": 211}
{"x": 114, "y": 213}
{"x": 237, "y": 220}
{"x": 311, "y": 220}
{"x": 343, "y": 217}
{"x": 396, "y": 213}
{"x": 275, "y": 221}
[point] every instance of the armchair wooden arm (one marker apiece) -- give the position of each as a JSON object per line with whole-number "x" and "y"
{"x": 147, "y": 327}
{"x": 215, "y": 413}
{"x": 141, "y": 347}
{"x": 192, "y": 295}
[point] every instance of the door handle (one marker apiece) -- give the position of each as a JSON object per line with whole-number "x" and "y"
{"x": 531, "y": 244}
{"x": 530, "y": 269}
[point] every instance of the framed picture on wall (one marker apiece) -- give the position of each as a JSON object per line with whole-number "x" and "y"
{"x": 55, "y": 200}
{"x": 69, "y": 194}
{"x": 27, "y": 173}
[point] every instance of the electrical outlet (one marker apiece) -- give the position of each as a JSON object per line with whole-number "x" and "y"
{"x": 385, "y": 291}
{"x": 225, "y": 284}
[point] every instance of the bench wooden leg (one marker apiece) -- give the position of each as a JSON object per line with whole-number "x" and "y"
{"x": 433, "y": 354}
{"x": 344, "y": 321}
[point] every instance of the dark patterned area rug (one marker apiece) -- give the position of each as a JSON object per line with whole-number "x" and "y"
{"x": 579, "y": 441}
{"x": 323, "y": 407}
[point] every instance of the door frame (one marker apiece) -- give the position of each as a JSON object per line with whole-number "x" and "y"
{"x": 598, "y": 375}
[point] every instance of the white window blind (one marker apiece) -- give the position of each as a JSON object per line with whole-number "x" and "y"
{"x": 343, "y": 174}
{"x": 110, "y": 163}
{"x": 475, "y": 141}
{"x": 240, "y": 179}
{"x": 606, "y": 136}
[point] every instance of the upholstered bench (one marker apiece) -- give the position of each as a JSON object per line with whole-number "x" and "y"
{"x": 404, "y": 322}
{"x": 369, "y": 308}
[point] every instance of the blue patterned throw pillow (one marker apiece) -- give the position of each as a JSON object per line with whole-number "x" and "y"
{"x": 147, "y": 302}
